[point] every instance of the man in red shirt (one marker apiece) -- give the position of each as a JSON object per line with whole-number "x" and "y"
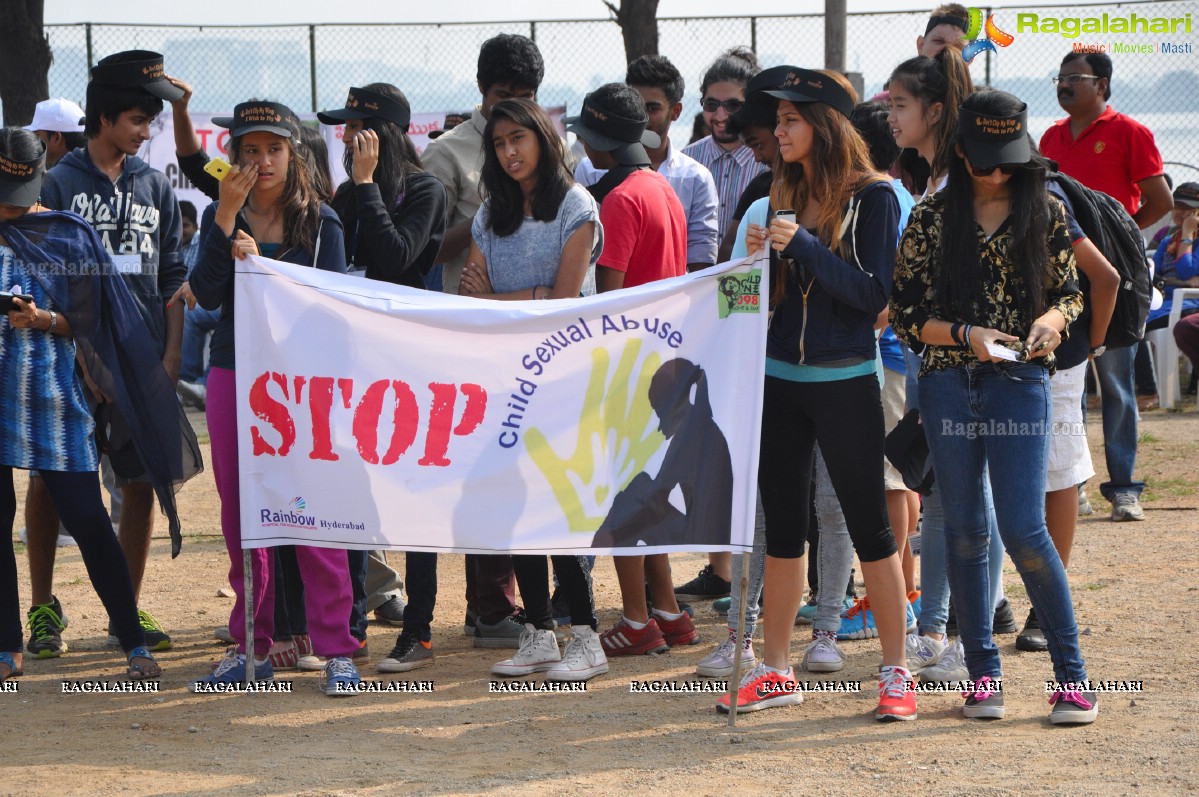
{"x": 645, "y": 239}
{"x": 1109, "y": 152}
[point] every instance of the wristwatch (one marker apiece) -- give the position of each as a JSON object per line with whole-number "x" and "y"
{"x": 1186, "y": 241}
{"x": 1098, "y": 350}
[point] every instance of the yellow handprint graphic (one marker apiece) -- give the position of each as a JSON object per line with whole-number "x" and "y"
{"x": 617, "y": 436}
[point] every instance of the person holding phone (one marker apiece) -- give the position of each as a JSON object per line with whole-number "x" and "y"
{"x": 988, "y": 261}
{"x": 537, "y": 236}
{"x": 821, "y": 384}
{"x": 55, "y": 311}
{"x": 268, "y": 206}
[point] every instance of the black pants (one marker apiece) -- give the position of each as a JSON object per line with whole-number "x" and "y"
{"x": 291, "y": 617}
{"x": 846, "y": 418}
{"x": 76, "y": 497}
{"x": 574, "y": 580}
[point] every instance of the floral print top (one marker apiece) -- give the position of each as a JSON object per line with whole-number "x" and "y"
{"x": 913, "y": 297}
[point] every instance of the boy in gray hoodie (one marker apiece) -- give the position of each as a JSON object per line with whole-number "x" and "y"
{"x": 136, "y": 214}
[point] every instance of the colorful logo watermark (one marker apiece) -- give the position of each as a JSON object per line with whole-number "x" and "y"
{"x": 992, "y": 35}
{"x": 739, "y": 293}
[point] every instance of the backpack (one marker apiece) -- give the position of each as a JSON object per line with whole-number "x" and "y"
{"x": 1117, "y": 236}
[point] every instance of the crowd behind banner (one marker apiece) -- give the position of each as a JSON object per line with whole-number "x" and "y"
{"x": 937, "y": 284}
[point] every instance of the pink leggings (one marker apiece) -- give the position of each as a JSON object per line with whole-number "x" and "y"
{"x": 325, "y": 571}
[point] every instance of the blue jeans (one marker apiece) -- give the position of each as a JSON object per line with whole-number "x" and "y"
{"x": 994, "y": 419}
{"x": 197, "y": 324}
{"x": 1117, "y": 382}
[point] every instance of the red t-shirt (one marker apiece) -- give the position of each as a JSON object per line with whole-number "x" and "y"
{"x": 645, "y": 229}
{"x": 1112, "y": 155}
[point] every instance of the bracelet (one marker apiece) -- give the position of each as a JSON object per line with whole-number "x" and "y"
{"x": 966, "y": 335}
{"x": 53, "y": 323}
{"x": 954, "y": 331}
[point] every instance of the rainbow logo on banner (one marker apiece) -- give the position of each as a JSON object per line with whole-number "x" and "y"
{"x": 992, "y": 35}
{"x": 297, "y": 504}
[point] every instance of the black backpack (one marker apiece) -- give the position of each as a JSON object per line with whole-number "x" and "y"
{"x": 1117, "y": 236}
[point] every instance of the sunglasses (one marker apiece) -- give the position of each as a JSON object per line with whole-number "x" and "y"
{"x": 1007, "y": 168}
{"x": 1073, "y": 80}
{"x": 712, "y": 105}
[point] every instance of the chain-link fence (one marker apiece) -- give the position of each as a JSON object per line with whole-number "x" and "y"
{"x": 309, "y": 67}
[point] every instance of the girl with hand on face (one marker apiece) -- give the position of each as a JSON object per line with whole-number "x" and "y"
{"x": 537, "y": 236}
{"x": 269, "y": 206}
{"x": 986, "y": 281}
{"x": 821, "y": 382}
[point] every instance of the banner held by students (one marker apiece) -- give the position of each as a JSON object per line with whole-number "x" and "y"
{"x": 372, "y": 415}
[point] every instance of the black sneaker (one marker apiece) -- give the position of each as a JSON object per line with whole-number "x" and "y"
{"x": 1004, "y": 621}
{"x": 391, "y": 612}
{"x": 1032, "y": 638}
{"x": 504, "y": 634}
{"x": 408, "y": 654}
{"x": 46, "y": 624}
{"x": 704, "y": 587}
{"x": 156, "y": 637}
{"x": 982, "y": 703}
{"x": 1073, "y": 708}
{"x": 468, "y": 625}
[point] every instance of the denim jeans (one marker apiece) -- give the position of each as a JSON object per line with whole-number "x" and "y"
{"x": 834, "y": 555}
{"x": 992, "y": 420}
{"x": 420, "y": 573}
{"x": 1117, "y": 383}
{"x": 197, "y": 324}
{"x": 934, "y": 580}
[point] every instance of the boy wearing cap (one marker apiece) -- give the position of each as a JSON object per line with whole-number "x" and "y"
{"x": 59, "y": 124}
{"x": 134, "y": 211}
{"x": 645, "y": 239}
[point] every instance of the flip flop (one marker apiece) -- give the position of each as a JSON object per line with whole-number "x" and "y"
{"x": 143, "y": 672}
{"x": 7, "y": 660}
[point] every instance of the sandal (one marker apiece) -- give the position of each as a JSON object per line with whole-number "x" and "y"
{"x": 148, "y": 670}
{"x": 9, "y": 661}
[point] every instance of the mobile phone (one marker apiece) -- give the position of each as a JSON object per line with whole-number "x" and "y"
{"x": 218, "y": 168}
{"x": 787, "y": 215}
{"x": 6, "y": 300}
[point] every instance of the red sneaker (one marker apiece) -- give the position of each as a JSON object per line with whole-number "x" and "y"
{"x": 624, "y": 640}
{"x": 678, "y": 632}
{"x": 761, "y": 689}
{"x": 896, "y": 695}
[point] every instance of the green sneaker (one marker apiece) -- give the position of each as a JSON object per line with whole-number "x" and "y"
{"x": 46, "y": 624}
{"x": 156, "y": 637}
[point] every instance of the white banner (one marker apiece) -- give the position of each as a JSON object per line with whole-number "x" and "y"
{"x": 376, "y": 416}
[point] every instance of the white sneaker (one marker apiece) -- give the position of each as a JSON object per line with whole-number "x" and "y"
{"x": 719, "y": 663}
{"x": 64, "y": 540}
{"x": 584, "y": 657}
{"x": 822, "y": 653}
{"x": 192, "y": 393}
{"x": 924, "y": 651}
{"x": 538, "y": 652}
{"x": 950, "y": 667}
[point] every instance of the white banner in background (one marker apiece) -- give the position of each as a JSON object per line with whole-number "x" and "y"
{"x": 375, "y": 416}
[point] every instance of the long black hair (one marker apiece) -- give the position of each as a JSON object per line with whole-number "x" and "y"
{"x": 961, "y": 280}
{"x": 316, "y": 154}
{"x": 398, "y": 157}
{"x": 506, "y": 200}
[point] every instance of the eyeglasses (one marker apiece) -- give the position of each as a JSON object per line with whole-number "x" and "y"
{"x": 712, "y": 105}
{"x": 1073, "y": 80}
{"x": 1007, "y": 168}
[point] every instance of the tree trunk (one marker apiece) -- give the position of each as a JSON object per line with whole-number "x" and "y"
{"x": 24, "y": 60}
{"x": 638, "y": 20}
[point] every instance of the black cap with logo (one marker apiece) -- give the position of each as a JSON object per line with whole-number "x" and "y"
{"x": 607, "y": 131}
{"x": 367, "y": 104}
{"x": 800, "y": 85}
{"x": 994, "y": 140}
{"x": 1187, "y": 194}
{"x": 140, "y": 68}
{"x": 258, "y": 116}
{"x": 21, "y": 181}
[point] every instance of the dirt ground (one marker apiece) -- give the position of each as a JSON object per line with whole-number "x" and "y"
{"x": 1134, "y": 587}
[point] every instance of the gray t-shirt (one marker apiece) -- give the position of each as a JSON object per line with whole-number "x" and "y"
{"x": 531, "y": 255}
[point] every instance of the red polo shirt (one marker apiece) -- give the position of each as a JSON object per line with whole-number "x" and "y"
{"x": 1112, "y": 155}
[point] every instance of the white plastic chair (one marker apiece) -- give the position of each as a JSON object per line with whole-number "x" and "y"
{"x": 1165, "y": 350}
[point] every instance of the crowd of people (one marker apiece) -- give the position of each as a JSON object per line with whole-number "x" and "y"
{"x": 924, "y": 258}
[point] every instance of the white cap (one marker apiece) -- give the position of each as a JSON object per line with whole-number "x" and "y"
{"x": 59, "y": 115}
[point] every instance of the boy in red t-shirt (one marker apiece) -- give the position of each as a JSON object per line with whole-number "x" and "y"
{"x": 645, "y": 239}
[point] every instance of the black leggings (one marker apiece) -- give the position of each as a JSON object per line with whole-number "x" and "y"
{"x": 76, "y": 497}
{"x": 574, "y": 579}
{"x": 846, "y": 418}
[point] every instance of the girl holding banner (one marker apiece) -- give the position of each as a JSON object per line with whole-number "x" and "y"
{"x": 268, "y": 205}
{"x": 537, "y": 236}
{"x": 821, "y": 385}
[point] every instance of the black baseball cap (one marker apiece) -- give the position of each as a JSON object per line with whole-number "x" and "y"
{"x": 800, "y": 85}
{"x": 994, "y": 140}
{"x": 21, "y": 181}
{"x": 607, "y": 131}
{"x": 141, "y": 68}
{"x": 1187, "y": 194}
{"x": 257, "y": 116}
{"x": 367, "y": 104}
